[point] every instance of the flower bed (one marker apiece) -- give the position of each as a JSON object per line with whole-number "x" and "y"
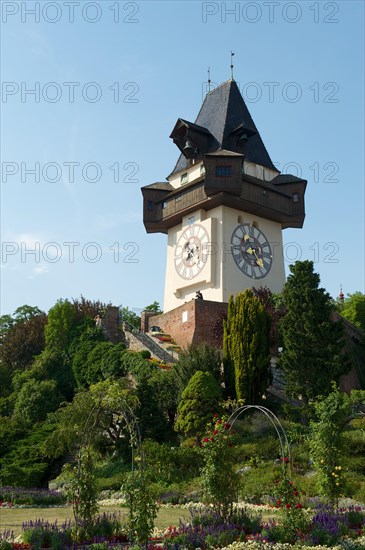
{"x": 325, "y": 527}
{"x": 10, "y": 496}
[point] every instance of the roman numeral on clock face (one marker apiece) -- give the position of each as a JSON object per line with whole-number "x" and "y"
{"x": 190, "y": 251}
{"x": 251, "y": 251}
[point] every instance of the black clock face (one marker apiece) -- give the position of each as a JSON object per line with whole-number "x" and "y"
{"x": 191, "y": 251}
{"x": 251, "y": 251}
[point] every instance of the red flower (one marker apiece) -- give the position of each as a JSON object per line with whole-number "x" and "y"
{"x": 287, "y": 505}
{"x": 278, "y": 502}
{"x": 227, "y": 426}
{"x": 295, "y": 493}
{"x": 298, "y": 505}
{"x": 215, "y": 432}
{"x": 215, "y": 415}
{"x": 229, "y": 443}
{"x": 219, "y": 421}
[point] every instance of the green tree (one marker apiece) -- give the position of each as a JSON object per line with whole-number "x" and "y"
{"x": 155, "y": 306}
{"x": 327, "y": 443}
{"x": 247, "y": 347}
{"x": 6, "y": 322}
{"x": 55, "y": 365}
{"x": 199, "y": 401}
{"x": 24, "y": 313}
{"x": 88, "y": 338}
{"x": 62, "y": 321}
{"x": 94, "y": 361}
{"x": 353, "y": 309}
{"x": 100, "y": 414}
{"x": 153, "y": 411}
{"x": 24, "y": 462}
{"x": 126, "y": 315}
{"x": 203, "y": 358}
{"x": 48, "y": 365}
{"x": 313, "y": 344}
{"x": 35, "y": 400}
{"x": 111, "y": 363}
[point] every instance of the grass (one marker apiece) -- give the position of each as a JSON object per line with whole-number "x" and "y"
{"x": 12, "y": 518}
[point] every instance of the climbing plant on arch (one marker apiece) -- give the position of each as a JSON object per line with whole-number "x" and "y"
{"x": 219, "y": 476}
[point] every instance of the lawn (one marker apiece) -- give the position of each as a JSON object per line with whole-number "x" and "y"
{"x": 12, "y": 518}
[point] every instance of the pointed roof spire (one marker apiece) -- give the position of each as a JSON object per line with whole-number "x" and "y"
{"x": 209, "y": 81}
{"x": 225, "y": 116}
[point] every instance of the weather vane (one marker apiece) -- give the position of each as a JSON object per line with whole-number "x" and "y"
{"x": 232, "y": 54}
{"x": 209, "y": 81}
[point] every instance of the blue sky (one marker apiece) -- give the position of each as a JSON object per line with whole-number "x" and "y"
{"x": 110, "y": 80}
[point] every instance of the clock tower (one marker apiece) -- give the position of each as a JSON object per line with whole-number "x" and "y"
{"x": 223, "y": 207}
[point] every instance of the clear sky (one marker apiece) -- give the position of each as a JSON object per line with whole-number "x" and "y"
{"x": 110, "y": 79}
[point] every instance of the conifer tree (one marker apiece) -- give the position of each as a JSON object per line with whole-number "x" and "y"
{"x": 313, "y": 343}
{"x": 246, "y": 347}
{"x": 199, "y": 401}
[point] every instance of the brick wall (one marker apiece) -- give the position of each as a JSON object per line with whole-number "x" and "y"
{"x": 192, "y": 322}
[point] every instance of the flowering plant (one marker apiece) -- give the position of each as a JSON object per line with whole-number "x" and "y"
{"x": 287, "y": 499}
{"x": 220, "y": 481}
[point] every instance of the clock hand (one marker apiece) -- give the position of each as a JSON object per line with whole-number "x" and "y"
{"x": 259, "y": 261}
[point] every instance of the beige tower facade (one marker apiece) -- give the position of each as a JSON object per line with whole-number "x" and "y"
{"x": 223, "y": 207}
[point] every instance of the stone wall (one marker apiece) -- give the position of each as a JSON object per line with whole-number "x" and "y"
{"x": 192, "y": 322}
{"x": 110, "y": 325}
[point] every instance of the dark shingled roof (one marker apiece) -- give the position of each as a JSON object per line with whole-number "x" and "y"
{"x": 222, "y": 112}
{"x": 161, "y": 185}
{"x": 285, "y": 178}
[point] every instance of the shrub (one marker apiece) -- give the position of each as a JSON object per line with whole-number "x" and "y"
{"x": 257, "y": 482}
{"x": 145, "y": 354}
{"x": 33, "y": 497}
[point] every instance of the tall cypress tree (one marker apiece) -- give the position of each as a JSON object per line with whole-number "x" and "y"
{"x": 246, "y": 347}
{"x": 313, "y": 343}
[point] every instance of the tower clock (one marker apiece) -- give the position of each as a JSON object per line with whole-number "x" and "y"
{"x": 224, "y": 205}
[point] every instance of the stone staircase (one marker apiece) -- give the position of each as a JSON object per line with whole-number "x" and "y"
{"x": 150, "y": 344}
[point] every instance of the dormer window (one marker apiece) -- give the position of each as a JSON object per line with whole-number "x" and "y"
{"x": 184, "y": 178}
{"x": 202, "y": 169}
{"x": 223, "y": 171}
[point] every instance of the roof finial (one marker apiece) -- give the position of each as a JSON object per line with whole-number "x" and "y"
{"x": 209, "y": 81}
{"x": 232, "y": 54}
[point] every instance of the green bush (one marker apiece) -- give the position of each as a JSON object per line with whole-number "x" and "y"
{"x": 145, "y": 354}
{"x": 113, "y": 482}
{"x": 257, "y": 482}
{"x": 264, "y": 448}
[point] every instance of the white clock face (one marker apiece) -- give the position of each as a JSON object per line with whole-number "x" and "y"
{"x": 191, "y": 251}
{"x": 251, "y": 251}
